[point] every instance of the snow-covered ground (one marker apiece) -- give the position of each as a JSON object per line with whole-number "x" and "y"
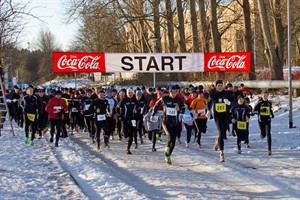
{"x": 75, "y": 170}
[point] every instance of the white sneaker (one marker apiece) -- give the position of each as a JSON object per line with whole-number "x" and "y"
{"x": 186, "y": 144}
{"x": 239, "y": 151}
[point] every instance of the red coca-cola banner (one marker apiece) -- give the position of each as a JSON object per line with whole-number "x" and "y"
{"x": 227, "y": 62}
{"x": 70, "y": 62}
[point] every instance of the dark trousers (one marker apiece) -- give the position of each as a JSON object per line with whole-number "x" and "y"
{"x": 32, "y": 124}
{"x": 129, "y": 131}
{"x": 189, "y": 129}
{"x": 42, "y": 122}
{"x": 222, "y": 125}
{"x": 152, "y": 137}
{"x": 119, "y": 127}
{"x": 111, "y": 125}
{"x": 265, "y": 130}
{"x": 89, "y": 121}
{"x": 101, "y": 125}
{"x": 202, "y": 126}
{"x": 172, "y": 130}
{"x": 55, "y": 124}
{"x": 139, "y": 126}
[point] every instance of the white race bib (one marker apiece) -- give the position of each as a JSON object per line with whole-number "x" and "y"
{"x": 171, "y": 111}
{"x": 74, "y": 110}
{"x": 57, "y": 107}
{"x": 87, "y": 106}
{"x": 187, "y": 118}
{"x": 133, "y": 122}
{"x": 154, "y": 119}
{"x": 201, "y": 111}
{"x": 101, "y": 118}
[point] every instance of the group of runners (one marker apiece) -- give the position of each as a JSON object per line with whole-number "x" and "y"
{"x": 134, "y": 114}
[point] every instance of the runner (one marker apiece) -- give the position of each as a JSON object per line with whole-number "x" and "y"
{"x": 141, "y": 109}
{"x": 221, "y": 101}
{"x": 111, "y": 119}
{"x": 127, "y": 107}
{"x": 43, "y": 115}
{"x": 56, "y": 108}
{"x": 100, "y": 110}
{"x": 187, "y": 117}
{"x": 152, "y": 125}
{"x": 30, "y": 107}
{"x": 171, "y": 124}
{"x": 199, "y": 107}
{"x": 88, "y": 115}
{"x": 263, "y": 109}
{"x": 240, "y": 116}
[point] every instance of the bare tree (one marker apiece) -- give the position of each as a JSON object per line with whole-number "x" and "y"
{"x": 182, "y": 42}
{"x": 270, "y": 51}
{"x": 203, "y": 26}
{"x": 216, "y": 37}
{"x": 170, "y": 25}
{"x": 194, "y": 24}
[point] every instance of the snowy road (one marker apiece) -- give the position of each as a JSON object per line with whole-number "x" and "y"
{"x": 76, "y": 170}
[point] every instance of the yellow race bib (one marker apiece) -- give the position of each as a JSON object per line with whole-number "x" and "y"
{"x": 220, "y": 107}
{"x": 241, "y": 125}
{"x": 265, "y": 111}
{"x": 31, "y": 117}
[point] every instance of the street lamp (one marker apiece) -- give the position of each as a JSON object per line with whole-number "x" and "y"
{"x": 290, "y": 67}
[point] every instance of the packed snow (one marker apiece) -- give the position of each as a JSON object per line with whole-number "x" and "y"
{"x": 76, "y": 170}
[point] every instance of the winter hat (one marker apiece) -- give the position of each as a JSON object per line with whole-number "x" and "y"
{"x": 139, "y": 93}
{"x": 129, "y": 90}
{"x": 58, "y": 92}
{"x": 219, "y": 82}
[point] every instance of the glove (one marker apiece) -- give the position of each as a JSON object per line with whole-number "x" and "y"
{"x": 227, "y": 102}
{"x": 233, "y": 121}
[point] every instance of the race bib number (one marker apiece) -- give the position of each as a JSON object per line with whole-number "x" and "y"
{"x": 133, "y": 122}
{"x": 101, "y": 118}
{"x": 154, "y": 119}
{"x": 220, "y": 107}
{"x": 187, "y": 118}
{"x": 74, "y": 110}
{"x": 171, "y": 111}
{"x": 31, "y": 117}
{"x": 201, "y": 111}
{"x": 57, "y": 108}
{"x": 87, "y": 106}
{"x": 265, "y": 111}
{"x": 241, "y": 125}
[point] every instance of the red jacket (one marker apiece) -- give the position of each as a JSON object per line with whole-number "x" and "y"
{"x": 54, "y": 105}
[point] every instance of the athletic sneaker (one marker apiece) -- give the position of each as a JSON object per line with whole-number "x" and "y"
{"x": 51, "y": 139}
{"x": 269, "y": 153}
{"x": 168, "y": 160}
{"x": 106, "y": 145}
{"x": 153, "y": 149}
{"x": 31, "y": 143}
{"x": 128, "y": 152}
{"x": 56, "y": 144}
{"x": 222, "y": 158}
{"x": 186, "y": 145}
{"x": 136, "y": 146}
{"x": 239, "y": 152}
{"x": 26, "y": 141}
{"x": 247, "y": 145}
{"x": 199, "y": 145}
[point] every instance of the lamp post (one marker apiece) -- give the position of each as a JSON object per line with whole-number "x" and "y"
{"x": 289, "y": 65}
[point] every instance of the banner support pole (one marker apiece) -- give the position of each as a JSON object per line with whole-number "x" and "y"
{"x": 75, "y": 81}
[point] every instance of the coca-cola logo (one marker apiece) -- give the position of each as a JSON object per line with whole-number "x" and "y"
{"x": 74, "y": 63}
{"x": 233, "y": 62}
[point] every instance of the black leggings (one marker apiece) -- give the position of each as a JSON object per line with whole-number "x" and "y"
{"x": 129, "y": 131}
{"x": 222, "y": 125}
{"x": 172, "y": 131}
{"x": 189, "y": 129}
{"x": 202, "y": 126}
{"x": 32, "y": 124}
{"x": 152, "y": 137}
{"x": 99, "y": 126}
{"x": 111, "y": 125}
{"x": 265, "y": 130}
{"x": 55, "y": 123}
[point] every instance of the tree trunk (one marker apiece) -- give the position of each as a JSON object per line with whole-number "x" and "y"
{"x": 170, "y": 26}
{"x": 248, "y": 43}
{"x": 216, "y": 37}
{"x": 214, "y": 27}
{"x": 157, "y": 35}
{"x": 203, "y": 27}
{"x": 279, "y": 38}
{"x": 181, "y": 26}
{"x": 194, "y": 26}
{"x": 273, "y": 60}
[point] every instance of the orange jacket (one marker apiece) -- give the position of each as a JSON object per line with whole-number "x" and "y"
{"x": 199, "y": 107}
